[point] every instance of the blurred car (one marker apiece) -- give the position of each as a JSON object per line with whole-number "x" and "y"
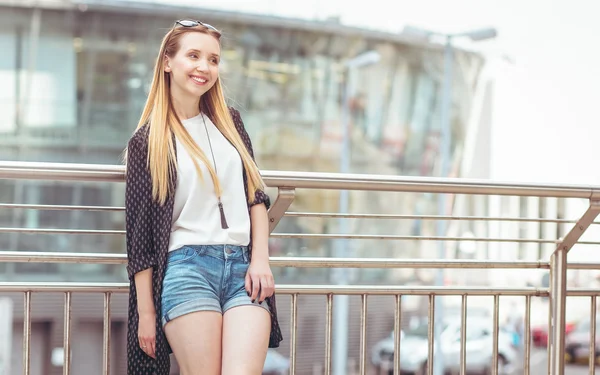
{"x": 577, "y": 344}
{"x": 479, "y": 348}
{"x": 539, "y": 334}
{"x": 275, "y": 364}
{"x": 574, "y": 311}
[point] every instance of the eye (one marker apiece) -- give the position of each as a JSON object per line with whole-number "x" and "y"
{"x": 193, "y": 55}
{"x": 214, "y": 60}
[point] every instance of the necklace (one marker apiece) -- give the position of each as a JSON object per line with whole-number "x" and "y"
{"x": 220, "y": 204}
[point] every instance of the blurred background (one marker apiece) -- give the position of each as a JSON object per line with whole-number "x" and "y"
{"x": 521, "y": 107}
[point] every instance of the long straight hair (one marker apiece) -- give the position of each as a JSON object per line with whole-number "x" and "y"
{"x": 163, "y": 123}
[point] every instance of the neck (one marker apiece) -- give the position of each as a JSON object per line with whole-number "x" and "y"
{"x": 185, "y": 106}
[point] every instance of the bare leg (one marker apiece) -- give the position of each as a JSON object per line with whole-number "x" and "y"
{"x": 245, "y": 340}
{"x": 196, "y": 342}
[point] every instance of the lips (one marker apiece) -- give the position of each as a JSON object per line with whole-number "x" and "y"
{"x": 199, "y": 80}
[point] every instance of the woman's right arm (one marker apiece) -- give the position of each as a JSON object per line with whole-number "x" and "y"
{"x": 143, "y": 289}
{"x": 140, "y": 253}
{"x": 146, "y": 312}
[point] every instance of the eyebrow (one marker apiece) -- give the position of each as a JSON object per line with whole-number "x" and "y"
{"x": 198, "y": 51}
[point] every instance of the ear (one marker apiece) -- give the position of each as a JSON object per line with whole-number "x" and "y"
{"x": 167, "y": 63}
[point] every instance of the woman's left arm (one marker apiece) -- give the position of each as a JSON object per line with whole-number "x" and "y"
{"x": 260, "y": 232}
{"x": 259, "y": 278}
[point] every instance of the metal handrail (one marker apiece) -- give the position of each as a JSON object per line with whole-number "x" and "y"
{"x": 320, "y": 215}
{"x": 57, "y": 287}
{"x": 296, "y": 262}
{"x": 314, "y": 180}
{"x": 328, "y": 215}
{"x": 309, "y": 235}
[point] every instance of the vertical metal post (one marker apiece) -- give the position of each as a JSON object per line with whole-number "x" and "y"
{"x": 558, "y": 300}
{"x": 592, "y": 356}
{"x": 463, "y": 336}
{"x": 294, "y": 331}
{"x": 27, "y": 334}
{"x": 550, "y": 314}
{"x": 67, "y": 335}
{"x": 106, "y": 336}
{"x": 527, "y": 340}
{"x": 397, "y": 333}
{"x": 363, "y": 336}
{"x": 341, "y": 311}
{"x": 495, "y": 334}
{"x": 445, "y": 155}
{"x": 328, "y": 335}
{"x": 431, "y": 337}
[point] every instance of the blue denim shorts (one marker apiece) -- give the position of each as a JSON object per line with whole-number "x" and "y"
{"x": 205, "y": 278}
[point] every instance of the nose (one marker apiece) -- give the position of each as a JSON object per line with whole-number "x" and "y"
{"x": 202, "y": 65}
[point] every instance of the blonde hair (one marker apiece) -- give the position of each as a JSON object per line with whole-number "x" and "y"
{"x": 163, "y": 122}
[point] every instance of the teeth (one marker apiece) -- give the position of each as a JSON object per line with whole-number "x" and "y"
{"x": 201, "y": 80}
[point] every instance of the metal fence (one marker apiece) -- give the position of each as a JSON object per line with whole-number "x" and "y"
{"x": 287, "y": 183}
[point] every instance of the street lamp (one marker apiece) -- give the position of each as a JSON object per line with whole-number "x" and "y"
{"x": 340, "y": 321}
{"x": 445, "y": 154}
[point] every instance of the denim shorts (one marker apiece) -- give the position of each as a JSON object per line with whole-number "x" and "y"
{"x": 205, "y": 278}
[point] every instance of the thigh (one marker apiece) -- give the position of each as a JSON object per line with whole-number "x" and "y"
{"x": 196, "y": 342}
{"x": 246, "y": 332}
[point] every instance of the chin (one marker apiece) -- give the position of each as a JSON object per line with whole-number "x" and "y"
{"x": 198, "y": 92}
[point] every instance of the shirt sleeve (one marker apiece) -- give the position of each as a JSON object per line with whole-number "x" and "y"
{"x": 259, "y": 196}
{"x": 138, "y": 215}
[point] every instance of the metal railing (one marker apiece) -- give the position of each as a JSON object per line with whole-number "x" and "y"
{"x": 287, "y": 183}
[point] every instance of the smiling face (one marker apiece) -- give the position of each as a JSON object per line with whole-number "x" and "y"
{"x": 194, "y": 68}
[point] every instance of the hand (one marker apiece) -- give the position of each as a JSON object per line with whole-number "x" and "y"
{"x": 259, "y": 280}
{"x": 147, "y": 333}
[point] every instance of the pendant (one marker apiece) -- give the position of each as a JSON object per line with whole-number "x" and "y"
{"x": 223, "y": 219}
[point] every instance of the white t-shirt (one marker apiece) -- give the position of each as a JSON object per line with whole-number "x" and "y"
{"x": 196, "y": 217}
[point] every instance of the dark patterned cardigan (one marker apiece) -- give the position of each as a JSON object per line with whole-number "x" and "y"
{"x": 148, "y": 227}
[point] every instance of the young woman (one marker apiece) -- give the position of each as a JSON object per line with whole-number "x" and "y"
{"x": 196, "y": 222}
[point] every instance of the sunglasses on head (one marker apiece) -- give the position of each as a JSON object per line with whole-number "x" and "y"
{"x": 194, "y": 23}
